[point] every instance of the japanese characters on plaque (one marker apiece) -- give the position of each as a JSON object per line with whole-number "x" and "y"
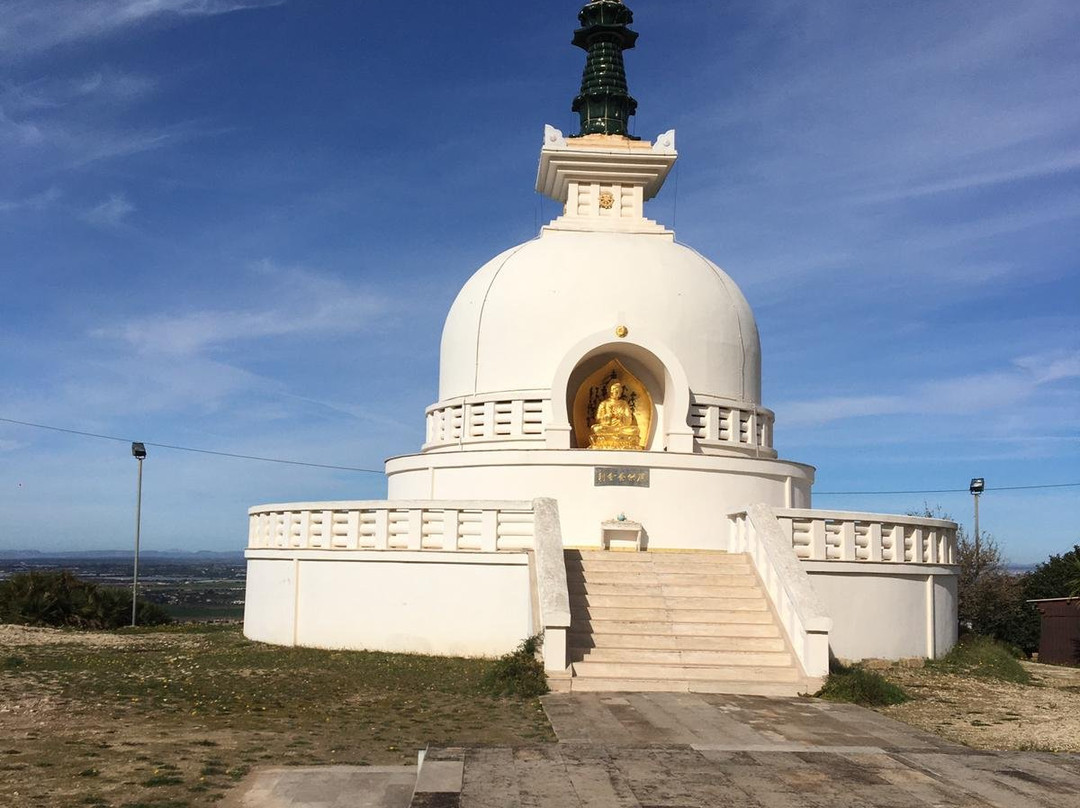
{"x": 621, "y": 475}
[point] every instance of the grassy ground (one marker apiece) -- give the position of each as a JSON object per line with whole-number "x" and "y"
{"x": 174, "y": 717}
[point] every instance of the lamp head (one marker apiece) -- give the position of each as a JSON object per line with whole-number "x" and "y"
{"x": 138, "y": 451}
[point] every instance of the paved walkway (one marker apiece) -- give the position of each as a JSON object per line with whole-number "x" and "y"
{"x": 679, "y": 750}
{"x": 326, "y": 787}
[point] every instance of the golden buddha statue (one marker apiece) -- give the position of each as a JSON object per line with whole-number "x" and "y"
{"x": 614, "y": 426}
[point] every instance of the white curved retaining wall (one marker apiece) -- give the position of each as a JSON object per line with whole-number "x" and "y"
{"x": 888, "y": 582}
{"x": 418, "y": 577}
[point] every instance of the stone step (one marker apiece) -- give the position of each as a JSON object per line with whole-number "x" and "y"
{"x": 586, "y": 641}
{"x": 599, "y": 684}
{"x": 640, "y": 580}
{"x": 649, "y": 600}
{"x": 649, "y": 555}
{"x": 646, "y": 557}
{"x": 690, "y": 565}
{"x": 641, "y": 656}
{"x": 634, "y": 671}
{"x": 738, "y": 586}
{"x": 726, "y": 611}
{"x": 736, "y": 624}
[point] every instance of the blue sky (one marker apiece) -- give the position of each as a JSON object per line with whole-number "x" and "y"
{"x": 238, "y": 225}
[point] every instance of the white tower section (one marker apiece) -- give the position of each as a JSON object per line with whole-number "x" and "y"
{"x": 602, "y": 287}
{"x": 533, "y": 315}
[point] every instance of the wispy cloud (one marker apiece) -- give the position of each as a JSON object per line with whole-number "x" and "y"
{"x": 998, "y": 390}
{"x": 38, "y": 201}
{"x": 964, "y": 182}
{"x": 32, "y": 26}
{"x": 317, "y": 304}
{"x": 51, "y": 93}
{"x": 110, "y": 213}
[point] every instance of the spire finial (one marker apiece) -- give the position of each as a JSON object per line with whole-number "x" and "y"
{"x": 604, "y": 103}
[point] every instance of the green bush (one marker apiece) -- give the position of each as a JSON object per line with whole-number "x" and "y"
{"x": 985, "y": 657}
{"x": 519, "y": 673}
{"x": 856, "y": 685}
{"x": 61, "y": 600}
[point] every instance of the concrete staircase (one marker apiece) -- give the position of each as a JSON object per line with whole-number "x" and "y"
{"x": 675, "y": 621}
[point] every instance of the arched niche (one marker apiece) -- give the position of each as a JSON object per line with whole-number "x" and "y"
{"x": 650, "y": 361}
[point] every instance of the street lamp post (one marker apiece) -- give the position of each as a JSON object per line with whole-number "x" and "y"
{"x": 978, "y": 484}
{"x": 138, "y": 451}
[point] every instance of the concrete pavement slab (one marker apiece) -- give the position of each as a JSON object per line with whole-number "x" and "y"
{"x": 665, "y": 750}
{"x": 326, "y": 787}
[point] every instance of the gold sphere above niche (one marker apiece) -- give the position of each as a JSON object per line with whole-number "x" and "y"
{"x": 621, "y": 331}
{"x": 612, "y": 410}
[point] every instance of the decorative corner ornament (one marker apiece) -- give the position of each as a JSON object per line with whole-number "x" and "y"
{"x": 621, "y": 331}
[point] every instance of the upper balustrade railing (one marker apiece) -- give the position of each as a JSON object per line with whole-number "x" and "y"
{"x": 719, "y": 427}
{"x": 462, "y": 526}
{"x": 849, "y": 536}
{"x": 473, "y": 422}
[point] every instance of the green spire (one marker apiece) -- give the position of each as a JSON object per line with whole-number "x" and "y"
{"x": 604, "y": 104}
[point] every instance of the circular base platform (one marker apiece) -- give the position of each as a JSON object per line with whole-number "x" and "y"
{"x": 681, "y": 500}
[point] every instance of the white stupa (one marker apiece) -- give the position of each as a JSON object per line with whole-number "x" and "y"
{"x": 600, "y": 389}
{"x": 537, "y": 334}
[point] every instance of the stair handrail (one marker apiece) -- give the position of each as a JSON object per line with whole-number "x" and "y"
{"x": 553, "y": 597}
{"x": 802, "y": 613}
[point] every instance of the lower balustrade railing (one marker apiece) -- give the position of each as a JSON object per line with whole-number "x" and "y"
{"x": 468, "y": 526}
{"x": 848, "y": 536}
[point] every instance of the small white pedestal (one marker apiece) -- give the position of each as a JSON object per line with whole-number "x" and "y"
{"x": 620, "y": 535}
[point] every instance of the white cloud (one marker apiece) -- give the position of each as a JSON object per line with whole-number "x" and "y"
{"x": 1052, "y": 367}
{"x": 32, "y": 26}
{"x": 110, "y": 213}
{"x": 998, "y": 391}
{"x": 1038, "y": 169}
{"x": 316, "y": 303}
{"x": 39, "y": 201}
{"x": 114, "y": 85}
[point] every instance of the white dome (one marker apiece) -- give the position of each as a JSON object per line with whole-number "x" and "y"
{"x": 516, "y": 319}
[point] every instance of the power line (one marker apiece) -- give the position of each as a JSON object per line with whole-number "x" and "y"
{"x": 191, "y": 449}
{"x": 944, "y": 490}
{"x": 380, "y": 471}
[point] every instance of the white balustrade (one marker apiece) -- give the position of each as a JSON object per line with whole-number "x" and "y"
{"x": 849, "y": 536}
{"x": 472, "y": 422}
{"x": 472, "y": 526}
{"x": 720, "y": 427}
{"x": 724, "y": 426}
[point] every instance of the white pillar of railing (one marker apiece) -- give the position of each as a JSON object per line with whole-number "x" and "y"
{"x": 553, "y": 596}
{"x": 847, "y": 541}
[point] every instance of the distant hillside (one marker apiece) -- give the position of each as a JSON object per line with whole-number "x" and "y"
{"x": 161, "y": 556}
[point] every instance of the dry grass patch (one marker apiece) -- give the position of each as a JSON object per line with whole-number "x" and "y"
{"x": 176, "y": 716}
{"x": 985, "y": 713}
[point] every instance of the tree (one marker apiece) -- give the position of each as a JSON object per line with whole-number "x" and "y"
{"x": 990, "y": 600}
{"x": 1057, "y": 577}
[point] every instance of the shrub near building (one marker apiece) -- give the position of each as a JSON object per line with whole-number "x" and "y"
{"x": 61, "y": 600}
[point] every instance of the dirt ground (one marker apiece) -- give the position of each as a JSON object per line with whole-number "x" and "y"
{"x": 990, "y": 714}
{"x": 177, "y": 717}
